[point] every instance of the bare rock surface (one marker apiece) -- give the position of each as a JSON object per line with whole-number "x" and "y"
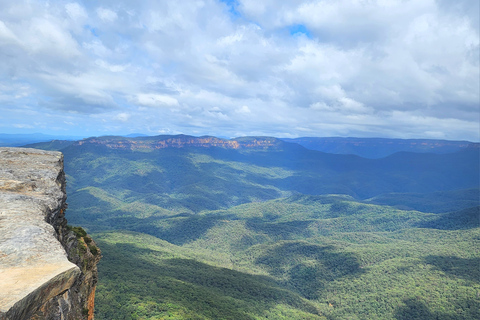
{"x": 34, "y": 266}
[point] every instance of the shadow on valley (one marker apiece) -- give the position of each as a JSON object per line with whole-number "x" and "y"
{"x": 415, "y": 309}
{"x": 142, "y": 283}
{"x": 178, "y": 229}
{"x": 307, "y": 268}
{"x": 183, "y": 228}
{"x": 464, "y": 219}
{"x": 468, "y": 269}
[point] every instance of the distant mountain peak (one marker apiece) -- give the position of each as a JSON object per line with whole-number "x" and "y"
{"x": 135, "y": 135}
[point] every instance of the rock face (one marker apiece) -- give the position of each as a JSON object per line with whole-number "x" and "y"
{"x": 47, "y": 269}
{"x": 180, "y": 141}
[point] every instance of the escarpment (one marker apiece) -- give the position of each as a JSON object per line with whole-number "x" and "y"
{"x": 180, "y": 141}
{"x": 47, "y": 269}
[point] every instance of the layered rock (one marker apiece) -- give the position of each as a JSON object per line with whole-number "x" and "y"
{"x": 180, "y": 141}
{"x": 47, "y": 269}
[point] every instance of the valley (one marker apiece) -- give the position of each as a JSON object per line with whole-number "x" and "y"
{"x": 258, "y": 228}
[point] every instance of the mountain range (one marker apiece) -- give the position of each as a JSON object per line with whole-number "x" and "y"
{"x": 381, "y": 147}
{"x": 261, "y": 228}
{"x": 364, "y": 147}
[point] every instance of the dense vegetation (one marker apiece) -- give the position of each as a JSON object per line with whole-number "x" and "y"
{"x": 295, "y": 258}
{"x": 196, "y": 179}
{"x": 281, "y": 233}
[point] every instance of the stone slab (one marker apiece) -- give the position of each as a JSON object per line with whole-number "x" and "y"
{"x": 33, "y": 264}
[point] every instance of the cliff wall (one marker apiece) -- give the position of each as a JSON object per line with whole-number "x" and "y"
{"x": 180, "y": 141}
{"x": 47, "y": 269}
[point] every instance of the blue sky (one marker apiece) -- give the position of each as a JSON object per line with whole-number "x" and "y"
{"x": 382, "y": 68}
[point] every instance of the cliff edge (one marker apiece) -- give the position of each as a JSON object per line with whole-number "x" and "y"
{"x": 47, "y": 269}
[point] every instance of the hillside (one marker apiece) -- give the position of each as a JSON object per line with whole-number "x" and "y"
{"x": 438, "y": 202}
{"x": 204, "y": 176}
{"x": 294, "y": 258}
{"x": 258, "y": 228}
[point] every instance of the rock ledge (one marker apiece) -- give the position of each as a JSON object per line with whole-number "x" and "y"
{"x": 37, "y": 279}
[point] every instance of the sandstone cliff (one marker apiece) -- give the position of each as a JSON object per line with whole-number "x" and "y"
{"x": 180, "y": 141}
{"x": 47, "y": 269}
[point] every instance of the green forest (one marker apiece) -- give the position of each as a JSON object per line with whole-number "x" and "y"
{"x": 262, "y": 261}
{"x": 278, "y": 233}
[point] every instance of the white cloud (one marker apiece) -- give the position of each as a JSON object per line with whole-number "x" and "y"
{"x": 322, "y": 106}
{"x": 110, "y": 67}
{"x": 23, "y": 126}
{"x": 363, "y": 66}
{"x": 107, "y": 15}
{"x": 155, "y": 100}
{"x": 76, "y": 11}
{"x": 96, "y": 48}
{"x": 123, "y": 117}
{"x": 6, "y": 35}
{"x": 232, "y": 38}
{"x": 45, "y": 36}
{"x": 350, "y": 105}
{"x": 342, "y": 105}
{"x": 243, "y": 109}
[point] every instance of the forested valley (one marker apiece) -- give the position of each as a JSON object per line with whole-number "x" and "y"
{"x": 260, "y": 228}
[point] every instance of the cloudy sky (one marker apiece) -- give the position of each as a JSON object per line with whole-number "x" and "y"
{"x": 290, "y": 68}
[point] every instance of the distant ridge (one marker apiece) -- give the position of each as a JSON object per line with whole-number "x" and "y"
{"x": 135, "y": 135}
{"x": 371, "y": 148}
{"x": 180, "y": 141}
{"x": 380, "y": 147}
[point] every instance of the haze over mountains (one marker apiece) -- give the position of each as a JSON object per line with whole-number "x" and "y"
{"x": 364, "y": 147}
{"x": 17, "y": 140}
{"x": 380, "y": 147}
{"x": 295, "y": 169}
{"x": 257, "y": 227}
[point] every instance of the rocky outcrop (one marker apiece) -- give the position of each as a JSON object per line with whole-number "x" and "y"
{"x": 47, "y": 269}
{"x": 180, "y": 141}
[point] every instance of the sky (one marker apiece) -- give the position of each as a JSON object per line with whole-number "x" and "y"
{"x": 290, "y": 68}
